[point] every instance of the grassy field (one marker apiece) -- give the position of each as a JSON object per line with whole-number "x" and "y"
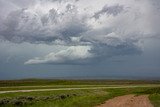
{"x": 37, "y": 82}
{"x": 73, "y": 98}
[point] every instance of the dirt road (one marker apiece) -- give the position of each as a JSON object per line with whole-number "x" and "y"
{"x": 54, "y": 89}
{"x": 128, "y": 101}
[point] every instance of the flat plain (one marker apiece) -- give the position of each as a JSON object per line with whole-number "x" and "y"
{"x": 74, "y": 93}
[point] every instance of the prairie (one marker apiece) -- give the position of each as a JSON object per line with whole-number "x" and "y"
{"x": 72, "y": 93}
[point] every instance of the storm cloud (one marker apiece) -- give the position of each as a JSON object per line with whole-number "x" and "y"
{"x": 89, "y": 31}
{"x": 109, "y": 10}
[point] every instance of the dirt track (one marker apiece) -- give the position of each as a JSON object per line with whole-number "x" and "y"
{"x": 54, "y": 89}
{"x": 128, "y": 101}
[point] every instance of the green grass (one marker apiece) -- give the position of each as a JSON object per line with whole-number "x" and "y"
{"x": 154, "y": 96}
{"x": 155, "y": 99}
{"x": 37, "y": 82}
{"x": 87, "y": 99}
{"x": 77, "y": 98}
{"x": 71, "y": 98}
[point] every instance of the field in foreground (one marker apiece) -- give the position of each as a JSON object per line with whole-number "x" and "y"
{"x": 72, "y": 93}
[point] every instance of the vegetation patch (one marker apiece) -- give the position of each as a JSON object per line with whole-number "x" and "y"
{"x": 24, "y": 100}
{"x": 72, "y": 98}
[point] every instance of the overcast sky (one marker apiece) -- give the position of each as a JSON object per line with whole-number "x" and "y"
{"x": 79, "y": 38}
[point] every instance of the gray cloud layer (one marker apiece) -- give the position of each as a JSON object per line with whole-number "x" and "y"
{"x": 89, "y": 31}
{"x": 109, "y": 10}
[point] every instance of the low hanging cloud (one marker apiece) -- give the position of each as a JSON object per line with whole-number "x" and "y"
{"x": 71, "y": 55}
{"x": 89, "y": 31}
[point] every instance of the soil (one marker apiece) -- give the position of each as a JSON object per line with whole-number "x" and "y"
{"x": 128, "y": 101}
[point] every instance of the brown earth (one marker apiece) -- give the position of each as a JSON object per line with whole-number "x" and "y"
{"x": 128, "y": 101}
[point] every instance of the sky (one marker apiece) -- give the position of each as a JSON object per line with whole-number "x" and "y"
{"x": 79, "y": 38}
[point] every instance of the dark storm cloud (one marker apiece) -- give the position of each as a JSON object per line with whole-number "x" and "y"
{"x": 27, "y": 26}
{"x": 109, "y": 10}
{"x": 88, "y": 34}
{"x": 105, "y": 51}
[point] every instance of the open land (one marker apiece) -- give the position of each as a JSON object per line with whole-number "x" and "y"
{"x": 79, "y": 93}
